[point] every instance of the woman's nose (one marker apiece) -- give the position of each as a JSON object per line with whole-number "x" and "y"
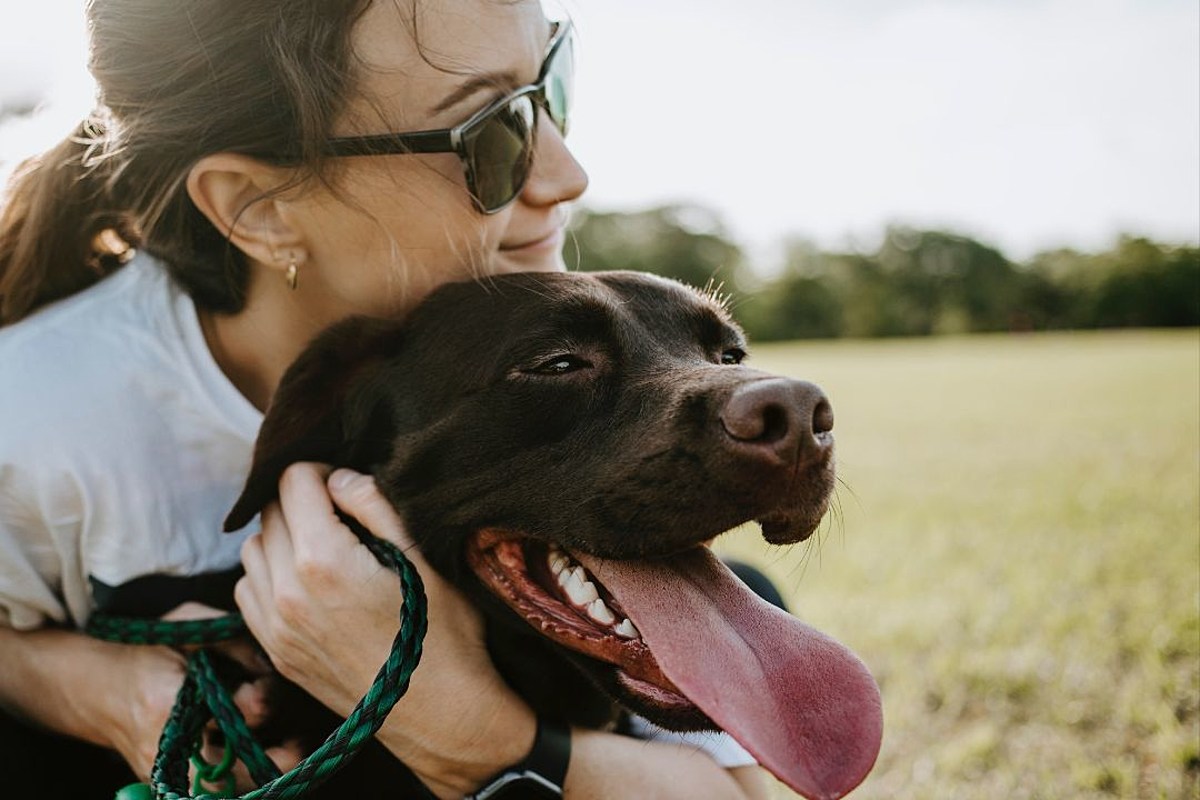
{"x": 556, "y": 176}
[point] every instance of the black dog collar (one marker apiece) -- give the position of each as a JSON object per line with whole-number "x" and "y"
{"x": 542, "y": 773}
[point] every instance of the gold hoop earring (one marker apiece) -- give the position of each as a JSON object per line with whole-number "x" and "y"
{"x": 293, "y": 276}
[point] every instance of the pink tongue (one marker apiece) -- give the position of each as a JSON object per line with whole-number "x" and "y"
{"x": 801, "y": 703}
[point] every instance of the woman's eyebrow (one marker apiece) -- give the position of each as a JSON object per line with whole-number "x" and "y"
{"x": 488, "y": 80}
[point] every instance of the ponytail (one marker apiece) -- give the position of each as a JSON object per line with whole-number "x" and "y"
{"x": 60, "y": 228}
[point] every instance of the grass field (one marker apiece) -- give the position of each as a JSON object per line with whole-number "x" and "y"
{"x": 1016, "y": 556}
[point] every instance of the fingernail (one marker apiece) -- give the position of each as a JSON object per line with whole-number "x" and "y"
{"x": 342, "y": 478}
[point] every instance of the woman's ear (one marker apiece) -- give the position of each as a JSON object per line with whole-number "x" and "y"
{"x": 235, "y": 193}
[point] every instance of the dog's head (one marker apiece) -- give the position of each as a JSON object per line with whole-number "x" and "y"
{"x": 561, "y": 446}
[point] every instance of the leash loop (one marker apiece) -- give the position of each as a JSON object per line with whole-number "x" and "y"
{"x": 212, "y": 774}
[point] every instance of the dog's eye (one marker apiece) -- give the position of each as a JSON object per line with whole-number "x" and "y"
{"x": 560, "y": 365}
{"x": 733, "y": 355}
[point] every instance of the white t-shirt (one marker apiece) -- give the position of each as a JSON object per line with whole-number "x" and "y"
{"x": 122, "y": 447}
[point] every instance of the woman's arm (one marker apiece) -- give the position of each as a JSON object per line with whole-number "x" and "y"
{"x": 112, "y": 695}
{"x": 326, "y": 612}
{"x": 604, "y": 765}
{"x": 116, "y": 696}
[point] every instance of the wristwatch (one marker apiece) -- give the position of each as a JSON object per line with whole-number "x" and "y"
{"x": 540, "y": 775}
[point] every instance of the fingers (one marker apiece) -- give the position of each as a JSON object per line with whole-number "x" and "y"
{"x": 285, "y": 756}
{"x": 357, "y": 495}
{"x": 310, "y": 524}
{"x": 246, "y": 654}
{"x": 319, "y": 603}
{"x": 302, "y": 532}
{"x": 278, "y": 554}
{"x": 251, "y": 700}
{"x": 272, "y": 583}
{"x": 192, "y": 610}
{"x": 253, "y": 590}
{"x": 252, "y": 693}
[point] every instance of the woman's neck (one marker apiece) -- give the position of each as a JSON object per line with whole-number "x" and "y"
{"x": 255, "y": 346}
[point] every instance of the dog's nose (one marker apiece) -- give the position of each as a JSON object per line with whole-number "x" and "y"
{"x": 784, "y": 418}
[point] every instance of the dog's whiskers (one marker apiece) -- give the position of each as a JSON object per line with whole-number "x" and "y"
{"x": 715, "y": 291}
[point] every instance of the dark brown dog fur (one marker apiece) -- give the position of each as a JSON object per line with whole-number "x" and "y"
{"x": 608, "y": 413}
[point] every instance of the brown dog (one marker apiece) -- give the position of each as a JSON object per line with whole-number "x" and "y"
{"x": 560, "y": 445}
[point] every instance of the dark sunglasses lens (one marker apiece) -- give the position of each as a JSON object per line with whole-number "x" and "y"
{"x": 560, "y": 84}
{"x": 500, "y": 150}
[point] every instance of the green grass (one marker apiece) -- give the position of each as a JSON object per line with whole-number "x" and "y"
{"x": 1016, "y": 556}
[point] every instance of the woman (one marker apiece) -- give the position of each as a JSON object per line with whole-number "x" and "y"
{"x": 233, "y": 148}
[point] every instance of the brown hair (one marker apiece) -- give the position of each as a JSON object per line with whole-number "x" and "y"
{"x": 177, "y": 81}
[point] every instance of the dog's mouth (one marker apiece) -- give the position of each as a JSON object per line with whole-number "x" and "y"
{"x": 689, "y": 642}
{"x": 556, "y": 594}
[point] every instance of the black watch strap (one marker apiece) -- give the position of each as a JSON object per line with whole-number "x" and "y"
{"x": 540, "y": 774}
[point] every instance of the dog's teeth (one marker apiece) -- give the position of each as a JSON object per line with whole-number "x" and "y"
{"x": 590, "y": 594}
{"x": 600, "y": 612}
{"x": 557, "y": 561}
{"x": 627, "y": 630}
{"x": 570, "y": 575}
{"x": 581, "y": 592}
{"x": 567, "y": 578}
{"x": 586, "y": 590}
{"x": 582, "y": 595}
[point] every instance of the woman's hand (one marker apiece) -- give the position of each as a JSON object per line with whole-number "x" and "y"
{"x": 111, "y": 695}
{"x": 145, "y": 680}
{"x": 151, "y": 694}
{"x": 250, "y": 696}
{"x": 326, "y": 612}
{"x": 115, "y": 695}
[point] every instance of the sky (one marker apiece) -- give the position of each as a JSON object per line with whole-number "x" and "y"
{"x": 1029, "y": 124}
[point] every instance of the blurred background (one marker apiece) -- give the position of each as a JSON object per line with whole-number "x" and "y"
{"x": 975, "y": 223}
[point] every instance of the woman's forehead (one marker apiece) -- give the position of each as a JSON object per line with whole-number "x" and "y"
{"x": 431, "y": 63}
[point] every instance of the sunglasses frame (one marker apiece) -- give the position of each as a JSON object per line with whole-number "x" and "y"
{"x": 453, "y": 140}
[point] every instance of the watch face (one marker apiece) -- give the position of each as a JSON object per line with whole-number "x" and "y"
{"x": 519, "y": 786}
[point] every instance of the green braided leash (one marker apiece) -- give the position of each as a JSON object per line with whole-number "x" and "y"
{"x": 202, "y": 697}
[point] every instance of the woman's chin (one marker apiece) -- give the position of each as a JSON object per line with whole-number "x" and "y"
{"x": 544, "y": 255}
{"x": 508, "y": 262}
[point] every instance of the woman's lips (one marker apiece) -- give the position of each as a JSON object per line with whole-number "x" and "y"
{"x": 549, "y": 241}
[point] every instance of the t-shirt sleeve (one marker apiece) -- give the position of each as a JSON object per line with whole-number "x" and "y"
{"x": 717, "y": 745}
{"x": 30, "y": 564}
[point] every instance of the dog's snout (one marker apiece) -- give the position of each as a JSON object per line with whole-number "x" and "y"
{"x": 781, "y": 418}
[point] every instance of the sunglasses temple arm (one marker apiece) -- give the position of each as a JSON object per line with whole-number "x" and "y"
{"x": 387, "y": 144}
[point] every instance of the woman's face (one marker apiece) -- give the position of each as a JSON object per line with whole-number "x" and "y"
{"x": 395, "y": 227}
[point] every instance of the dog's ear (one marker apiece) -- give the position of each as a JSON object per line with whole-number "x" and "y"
{"x": 327, "y": 408}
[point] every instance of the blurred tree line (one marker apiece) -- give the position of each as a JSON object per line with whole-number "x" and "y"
{"x": 916, "y": 283}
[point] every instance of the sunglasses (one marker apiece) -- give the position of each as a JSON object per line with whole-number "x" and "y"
{"x": 496, "y": 144}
